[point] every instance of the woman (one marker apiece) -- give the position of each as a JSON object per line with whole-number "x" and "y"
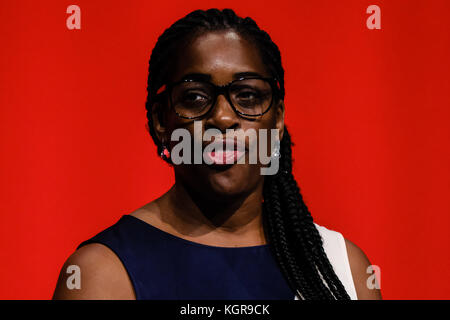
{"x": 223, "y": 231}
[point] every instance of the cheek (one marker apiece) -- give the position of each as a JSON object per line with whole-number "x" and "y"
{"x": 267, "y": 121}
{"x": 264, "y": 135}
{"x": 173, "y": 122}
{"x": 176, "y": 126}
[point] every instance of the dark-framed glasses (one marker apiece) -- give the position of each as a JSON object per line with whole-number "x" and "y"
{"x": 249, "y": 97}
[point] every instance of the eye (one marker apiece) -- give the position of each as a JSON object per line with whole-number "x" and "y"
{"x": 194, "y": 97}
{"x": 247, "y": 95}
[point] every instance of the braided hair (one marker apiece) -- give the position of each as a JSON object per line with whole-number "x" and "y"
{"x": 292, "y": 236}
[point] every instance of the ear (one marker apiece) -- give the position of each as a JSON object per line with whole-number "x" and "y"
{"x": 159, "y": 123}
{"x": 280, "y": 118}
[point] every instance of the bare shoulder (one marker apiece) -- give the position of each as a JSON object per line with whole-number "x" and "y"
{"x": 150, "y": 213}
{"x": 101, "y": 276}
{"x": 358, "y": 265}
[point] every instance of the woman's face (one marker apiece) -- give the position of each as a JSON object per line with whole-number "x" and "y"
{"x": 220, "y": 56}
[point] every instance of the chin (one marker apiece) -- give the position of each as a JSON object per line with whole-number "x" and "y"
{"x": 220, "y": 183}
{"x": 231, "y": 182}
{"x": 222, "y": 186}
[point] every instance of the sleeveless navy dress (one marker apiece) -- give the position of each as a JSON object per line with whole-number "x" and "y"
{"x": 163, "y": 266}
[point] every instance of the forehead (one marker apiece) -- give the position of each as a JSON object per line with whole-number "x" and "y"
{"x": 220, "y": 54}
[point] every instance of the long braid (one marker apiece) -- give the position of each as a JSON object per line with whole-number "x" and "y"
{"x": 300, "y": 220}
{"x": 303, "y": 220}
{"x": 292, "y": 235}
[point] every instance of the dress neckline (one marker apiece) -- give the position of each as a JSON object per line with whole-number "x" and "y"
{"x": 189, "y": 242}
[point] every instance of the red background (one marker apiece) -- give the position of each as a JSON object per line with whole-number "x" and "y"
{"x": 367, "y": 109}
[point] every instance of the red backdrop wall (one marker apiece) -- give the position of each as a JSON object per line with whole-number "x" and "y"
{"x": 367, "y": 109}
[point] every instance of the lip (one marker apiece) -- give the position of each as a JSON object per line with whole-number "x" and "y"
{"x": 226, "y": 152}
{"x": 225, "y": 157}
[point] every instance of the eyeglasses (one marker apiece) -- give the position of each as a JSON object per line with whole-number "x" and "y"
{"x": 249, "y": 97}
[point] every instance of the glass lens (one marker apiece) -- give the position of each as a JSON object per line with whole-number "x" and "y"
{"x": 251, "y": 96}
{"x": 192, "y": 99}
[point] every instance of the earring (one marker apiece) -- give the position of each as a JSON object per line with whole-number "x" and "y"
{"x": 165, "y": 153}
{"x": 276, "y": 151}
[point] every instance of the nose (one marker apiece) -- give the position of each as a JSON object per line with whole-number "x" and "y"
{"x": 222, "y": 116}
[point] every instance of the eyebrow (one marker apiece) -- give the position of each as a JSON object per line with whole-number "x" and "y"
{"x": 207, "y": 77}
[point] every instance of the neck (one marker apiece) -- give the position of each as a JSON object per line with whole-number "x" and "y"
{"x": 236, "y": 220}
